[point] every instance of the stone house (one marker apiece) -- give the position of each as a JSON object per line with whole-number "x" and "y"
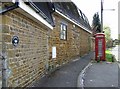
{"x": 27, "y": 60}
{"x": 48, "y": 36}
{"x": 71, "y": 36}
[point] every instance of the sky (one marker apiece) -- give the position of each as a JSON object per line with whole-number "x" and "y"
{"x": 110, "y": 18}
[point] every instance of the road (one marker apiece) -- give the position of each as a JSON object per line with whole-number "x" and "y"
{"x": 115, "y": 51}
{"x": 67, "y": 75}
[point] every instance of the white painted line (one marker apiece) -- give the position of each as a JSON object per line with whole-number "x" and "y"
{"x": 80, "y": 81}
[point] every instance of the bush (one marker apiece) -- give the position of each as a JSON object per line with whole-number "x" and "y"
{"x": 109, "y": 56}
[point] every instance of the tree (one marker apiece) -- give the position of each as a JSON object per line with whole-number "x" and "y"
{"x": 96, "y": 25}
{"x": 107, "y": 31}
{"x": 119, "y": 38}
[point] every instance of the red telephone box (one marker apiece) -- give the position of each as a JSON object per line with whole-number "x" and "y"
{"x": 100, "y": 46}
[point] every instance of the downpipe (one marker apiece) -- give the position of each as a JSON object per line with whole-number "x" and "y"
{"x": 5, "y": 68}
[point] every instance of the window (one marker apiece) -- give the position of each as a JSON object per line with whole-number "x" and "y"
{"x": 80, "y": 13}
{"x": 63, "y": 32}
{"x": 68, "y": 7}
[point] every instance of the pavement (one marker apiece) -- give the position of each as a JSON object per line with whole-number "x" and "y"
{"x": 101, "y": 75}
{"x": 0, "y": 74}
{"x": 67, "y": 75}
{"x": 115, "y": 51}
{"x": 83, "y": 73}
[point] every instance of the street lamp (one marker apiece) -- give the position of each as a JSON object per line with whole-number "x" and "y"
{"x": 102, "y": 14}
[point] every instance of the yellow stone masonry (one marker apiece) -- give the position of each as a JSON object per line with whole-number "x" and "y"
{"x": 77, "y": 43}
{"x": 32, "y": 57}
{"x": 27, "y": 60}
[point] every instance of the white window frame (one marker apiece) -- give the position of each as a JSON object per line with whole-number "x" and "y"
{"x": 63, "y": 31}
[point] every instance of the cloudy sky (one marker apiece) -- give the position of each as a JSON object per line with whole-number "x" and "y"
{"x": 110, "y": 18}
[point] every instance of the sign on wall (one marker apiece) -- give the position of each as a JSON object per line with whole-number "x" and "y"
{"x": 54, "y": 52}
{"x": 15, "y": 40}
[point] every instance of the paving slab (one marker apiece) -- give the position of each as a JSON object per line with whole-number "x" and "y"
{"x": 102, "y": 74}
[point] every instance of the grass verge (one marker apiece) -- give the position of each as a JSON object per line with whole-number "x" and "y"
{"x": 109, "y": 56}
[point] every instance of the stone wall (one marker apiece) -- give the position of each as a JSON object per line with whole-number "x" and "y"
{"x": 27, "y": 62}
{"x": 0, "y": 52}
{"x": 78, "y": 43}
{"x": 85, "y": 44}
{"x": 33, "y": 55}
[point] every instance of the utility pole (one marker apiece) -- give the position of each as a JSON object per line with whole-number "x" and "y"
{"x": 101, "y": 16}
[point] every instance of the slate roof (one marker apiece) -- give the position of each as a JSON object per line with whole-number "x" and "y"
{"x": 45, "y": 9}
{"x": 71, "y": 10}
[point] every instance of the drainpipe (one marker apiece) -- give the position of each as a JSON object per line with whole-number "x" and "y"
{"x": 4, "y": 55}
{"x": 4, "y": 65}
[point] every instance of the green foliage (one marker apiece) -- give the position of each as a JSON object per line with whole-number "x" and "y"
{"x": 119, "y": 38}
{"x": 107, "y": 32}
{"x": 109, "y": 56}
{"x": 109, "y": 40}
{"x": 96, "y": 25}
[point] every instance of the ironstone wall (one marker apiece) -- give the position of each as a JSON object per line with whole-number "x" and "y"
{"x": 27, "y": 61}
{"x": 33, "y": 55}
{"x": 77, "y": 44}
{"x": 0, "y": 51}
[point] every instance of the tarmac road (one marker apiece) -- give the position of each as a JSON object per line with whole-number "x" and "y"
{"x": 67, "y": 75}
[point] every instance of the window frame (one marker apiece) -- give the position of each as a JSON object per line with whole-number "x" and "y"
{"x": 63, "y": 31}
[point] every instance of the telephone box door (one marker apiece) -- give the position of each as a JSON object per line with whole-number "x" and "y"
{"x": 100, "y": 46}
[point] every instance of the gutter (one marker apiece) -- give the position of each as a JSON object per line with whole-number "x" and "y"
{"x": 34, "y": 15}
{"x": 81, "y": 26}
{"x": 10, "y": 8}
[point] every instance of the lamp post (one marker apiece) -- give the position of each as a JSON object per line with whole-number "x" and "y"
{"x": 102, "y": 14}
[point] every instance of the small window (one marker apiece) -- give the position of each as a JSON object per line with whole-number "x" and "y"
{"x": 63, "y": 32}
{"x": 68, "y": 7}
{"x": 80, "y": 13}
